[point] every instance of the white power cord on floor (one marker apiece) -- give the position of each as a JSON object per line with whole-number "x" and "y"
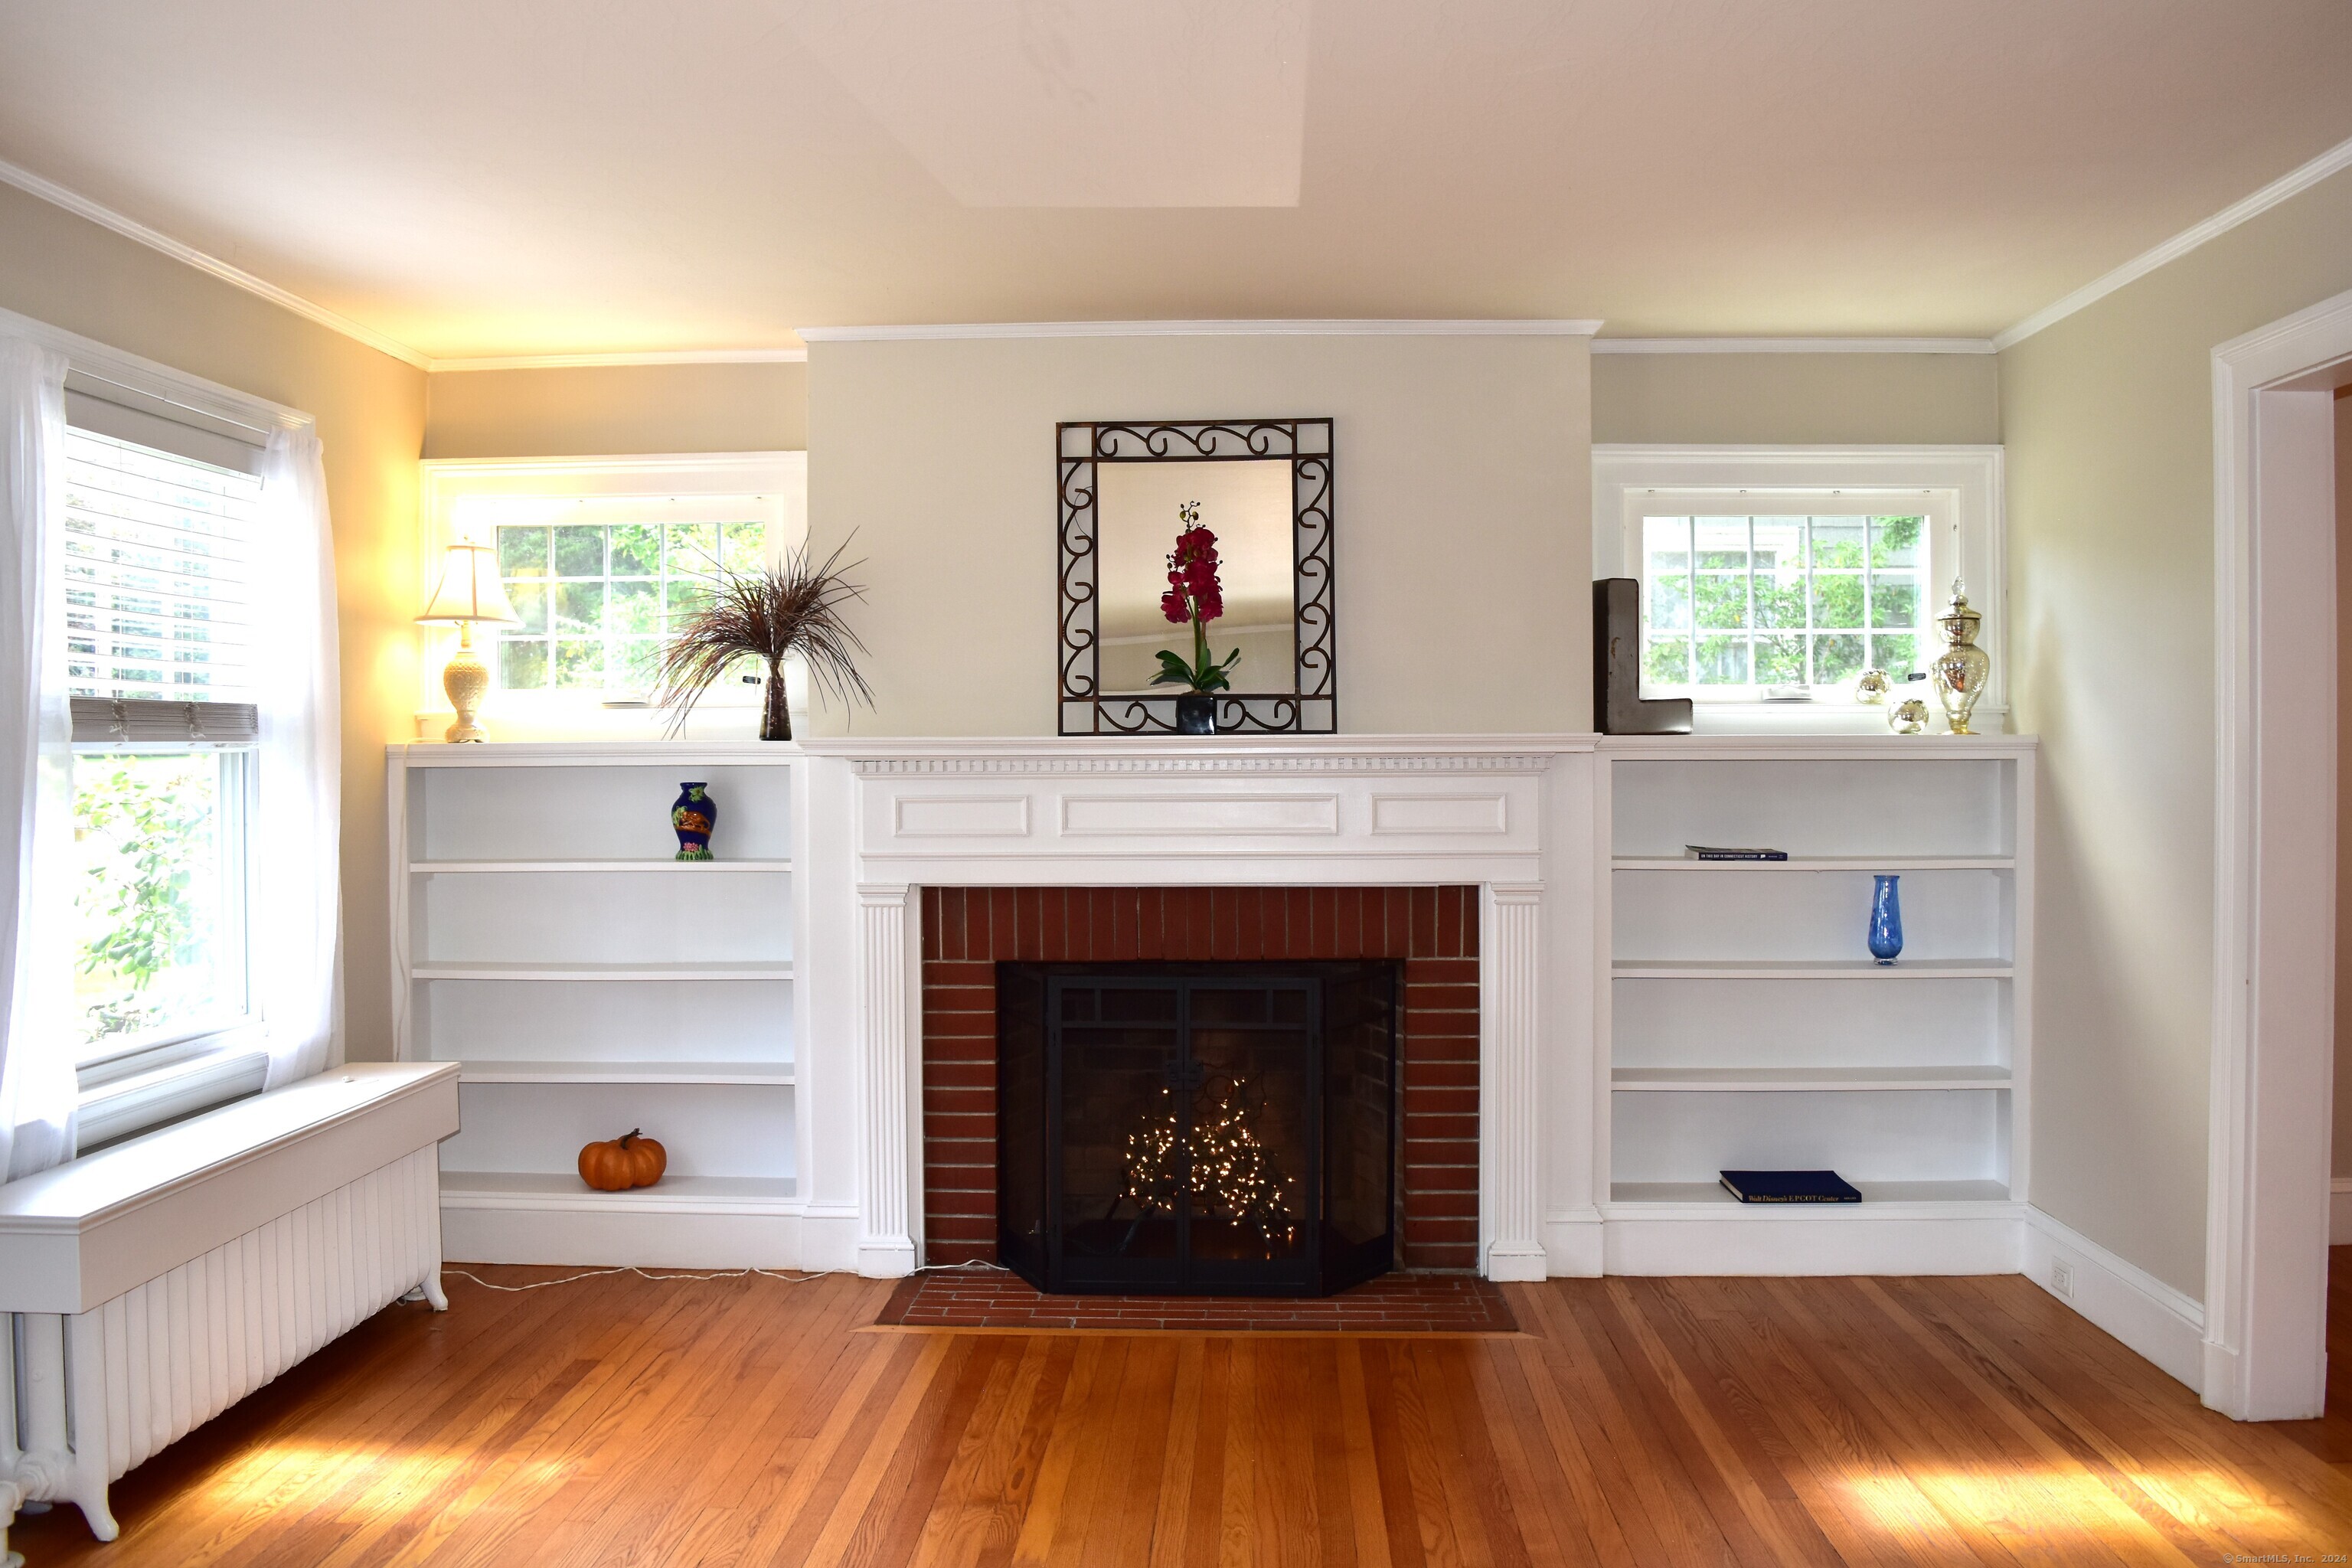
{"x": 792, "y": 1278}
{"x": 642, "y": 1274}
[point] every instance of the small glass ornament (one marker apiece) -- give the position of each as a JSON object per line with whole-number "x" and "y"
{"x": 1872, "y": 688}
{"x": 1907, "y": 716}
{"x": 1886, "y": 920}
{"x": 1960, "y": 669}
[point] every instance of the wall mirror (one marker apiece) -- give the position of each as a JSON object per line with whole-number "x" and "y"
{"x": 1263, "y": 489}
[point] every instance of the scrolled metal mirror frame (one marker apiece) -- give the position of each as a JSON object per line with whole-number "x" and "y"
{"x": 1081, "y": 706}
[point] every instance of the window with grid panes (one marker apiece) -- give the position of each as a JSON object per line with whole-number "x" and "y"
{"x": 1737, "y": 602}
{"x": 159, "y": 605}
{"x": 597, "y": 599}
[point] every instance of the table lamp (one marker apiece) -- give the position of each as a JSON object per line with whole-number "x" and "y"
{"x": 469, "y": 591}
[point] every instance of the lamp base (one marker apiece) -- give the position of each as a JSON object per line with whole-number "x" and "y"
{"x": 466, "y": 679}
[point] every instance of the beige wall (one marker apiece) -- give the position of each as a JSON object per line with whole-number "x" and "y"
{"x": 612, "y": 410}
{"x": 1463, "y": 490}
{"x": 2343, "y": 1128}
{"x": 70, "y": 273}
{"x": 1797, "y": 399}
{"x": 2108, "y": 420}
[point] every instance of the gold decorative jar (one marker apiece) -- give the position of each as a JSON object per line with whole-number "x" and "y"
{"x": 1872, "y": 688}
{"x": 1960, "y": 669}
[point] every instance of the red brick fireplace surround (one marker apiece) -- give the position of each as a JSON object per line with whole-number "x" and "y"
{"x": 1435, "y": 930}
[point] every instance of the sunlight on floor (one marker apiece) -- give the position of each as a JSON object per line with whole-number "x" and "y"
{"x": 272, "y": 1471}
{"x": 2047, "y": 1504}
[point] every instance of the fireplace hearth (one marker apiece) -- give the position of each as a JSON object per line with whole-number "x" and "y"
{"x": 1225, "y": 1128}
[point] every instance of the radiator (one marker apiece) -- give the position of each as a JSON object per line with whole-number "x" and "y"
{"x": 99, "y": 1391}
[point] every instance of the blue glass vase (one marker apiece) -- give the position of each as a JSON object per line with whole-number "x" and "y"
{"x": 693, "y": 814}
{"x": 1886, "y": 920}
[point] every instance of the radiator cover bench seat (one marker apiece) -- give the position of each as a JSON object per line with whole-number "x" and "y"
{"x": 150, "y": 1286}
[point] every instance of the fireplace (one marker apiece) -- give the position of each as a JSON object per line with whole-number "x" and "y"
{"x": 1225, "y": 1128}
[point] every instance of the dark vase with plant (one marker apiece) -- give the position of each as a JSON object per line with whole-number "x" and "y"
{"x": 1194, "y": 595}
{"x": 793, "y": 608}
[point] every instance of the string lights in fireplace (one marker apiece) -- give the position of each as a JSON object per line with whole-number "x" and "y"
{"x": 1224, "y": 1167}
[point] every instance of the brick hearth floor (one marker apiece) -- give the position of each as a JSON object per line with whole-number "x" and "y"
{"x": 1392, "y": 1304}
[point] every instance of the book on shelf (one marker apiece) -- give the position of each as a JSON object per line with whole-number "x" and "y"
{"x": 1789, "y": 1187}
{"x": 1723, "y": 852}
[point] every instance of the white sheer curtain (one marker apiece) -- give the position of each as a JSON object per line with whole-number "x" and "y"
{"x": 297, "y": 918}
{"x": 37, "y": 1085}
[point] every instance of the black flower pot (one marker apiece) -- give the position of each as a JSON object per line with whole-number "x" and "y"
{"x": 1196, "y": 713}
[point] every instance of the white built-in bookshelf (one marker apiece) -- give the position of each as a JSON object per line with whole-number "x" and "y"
{"x": 1746, "y": 1025}
{"x": 545, "y": 938}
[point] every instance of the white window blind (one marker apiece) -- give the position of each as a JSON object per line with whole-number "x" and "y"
{"x": 158, "y": 583}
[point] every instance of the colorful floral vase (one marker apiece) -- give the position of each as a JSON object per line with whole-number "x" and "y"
{"x": 693, "y": 814}
{"x": 1886, "y": 920}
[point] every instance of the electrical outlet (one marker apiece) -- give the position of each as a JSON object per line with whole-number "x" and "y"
{"x": 2062, "y": 1280}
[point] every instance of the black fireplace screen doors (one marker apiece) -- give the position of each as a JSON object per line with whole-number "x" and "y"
{"x": 1197, "y": 1129}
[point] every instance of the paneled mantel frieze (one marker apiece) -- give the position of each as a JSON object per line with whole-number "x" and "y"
{"x": 1510, "y": 815}
{"x": 1263, "y": 809}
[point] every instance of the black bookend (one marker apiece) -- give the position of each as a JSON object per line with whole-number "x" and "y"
{"x": 1618, "y": 705}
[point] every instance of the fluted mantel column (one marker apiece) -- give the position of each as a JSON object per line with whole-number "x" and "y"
{"x": 886, "y": 1238}
{"x": 1510, "y": 1029}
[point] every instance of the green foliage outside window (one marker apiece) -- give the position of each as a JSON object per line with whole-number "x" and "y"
{"x": 1741, "y": 601}
{"x": 147, "y": 829}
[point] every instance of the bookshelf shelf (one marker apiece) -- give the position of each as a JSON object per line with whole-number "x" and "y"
{"x": 1852, "y": 1080}
{"x": 1819, "y": 863}
{"x": 603, "y": 970}
{"x": 1711, "y": 1195}
{"x": 1745, "y": 1026}
{"x": 676, "y": 867}
{"x": 747, "y": 1074}
{"x": 545, "y": 938}
{"x": 1814, "y": 969}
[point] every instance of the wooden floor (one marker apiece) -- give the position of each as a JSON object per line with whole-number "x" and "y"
{"x": 1634, "y": 1421}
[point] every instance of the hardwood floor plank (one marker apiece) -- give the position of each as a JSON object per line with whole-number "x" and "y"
{"x": 623, "y": 1421}
{"x": 1370, "y": 1529}
{"x": 1179, "y": 1457}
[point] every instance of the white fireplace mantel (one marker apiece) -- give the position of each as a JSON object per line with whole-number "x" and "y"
{"x": 1511, "y": 815}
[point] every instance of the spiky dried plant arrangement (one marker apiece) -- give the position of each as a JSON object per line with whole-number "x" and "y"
{"x": 765, "y": 615}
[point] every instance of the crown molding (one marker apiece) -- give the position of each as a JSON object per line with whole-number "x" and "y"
{"x": 74, "y": 202}
{"x": 1269, "y": 327}
{"x": 589, "y": 362}
{"x": 2333, "y": 160}
{"x": 1792, "y": 346}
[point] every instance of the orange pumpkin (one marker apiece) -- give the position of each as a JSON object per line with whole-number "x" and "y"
{"x": 619, "y": 1163}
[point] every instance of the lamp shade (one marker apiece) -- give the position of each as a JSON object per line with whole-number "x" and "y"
{"x": 469, "y": 589}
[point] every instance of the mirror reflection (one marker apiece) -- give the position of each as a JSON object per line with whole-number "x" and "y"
{"x": 1247, "y": 504}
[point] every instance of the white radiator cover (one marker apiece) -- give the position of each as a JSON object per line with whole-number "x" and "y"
{"x": 179, "y": 1350}
{"x": 99, "y": 1390}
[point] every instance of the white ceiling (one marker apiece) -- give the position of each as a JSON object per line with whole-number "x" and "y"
{"x": 551, "y": 176}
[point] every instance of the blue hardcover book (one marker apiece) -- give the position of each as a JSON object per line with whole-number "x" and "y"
{"x": 1789, "y": 1187}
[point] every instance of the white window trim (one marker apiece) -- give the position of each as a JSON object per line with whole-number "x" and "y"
{"x": 144, "y": 1089}
{"x": 1964, "y": 480}
{"x": 446, "y": 483}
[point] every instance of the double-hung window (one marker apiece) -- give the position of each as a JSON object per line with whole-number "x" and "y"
{"x": 156, "y": 552}
{"x": 1773, "y": 578}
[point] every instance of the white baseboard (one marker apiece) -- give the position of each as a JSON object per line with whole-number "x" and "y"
{"x": 2150, "y": 1317}
{"x": 1811, "y": 1239}
{"x": 1572, "y": 1242}
{"x": 479, "y": 1233}
{"x": 2339, "y": 1212}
